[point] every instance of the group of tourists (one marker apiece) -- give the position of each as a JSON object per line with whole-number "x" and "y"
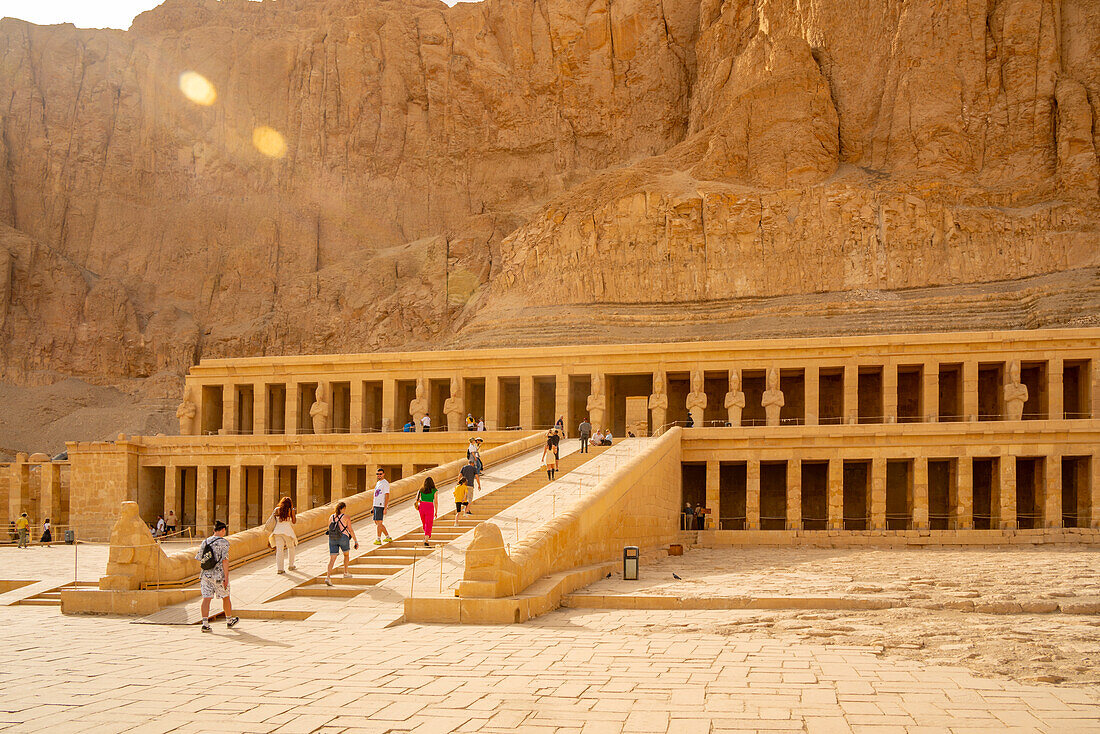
{"x": 165, "y": 526}
{"x": 20, "y": 532}
{"x": 426, "y": 424}
{"x": 601, "y": 437}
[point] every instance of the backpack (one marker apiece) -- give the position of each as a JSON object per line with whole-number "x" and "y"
{"x": 207, "y": 560}
{"x": 335, "y": 530}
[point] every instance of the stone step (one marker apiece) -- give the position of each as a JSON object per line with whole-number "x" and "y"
{"x": 320, "y": 590}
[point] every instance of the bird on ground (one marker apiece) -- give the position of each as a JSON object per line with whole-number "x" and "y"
{"x": 676, "y": 577}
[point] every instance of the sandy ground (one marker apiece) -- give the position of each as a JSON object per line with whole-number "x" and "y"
{"x": 939, "y": 586}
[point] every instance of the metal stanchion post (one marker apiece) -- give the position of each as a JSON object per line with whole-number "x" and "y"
{"x": 442, "y": 550}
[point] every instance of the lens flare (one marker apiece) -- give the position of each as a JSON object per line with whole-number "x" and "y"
{"x": 269, "y": 141}
{"x": 197, "y": 88}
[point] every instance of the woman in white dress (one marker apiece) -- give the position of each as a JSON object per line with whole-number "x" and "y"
{"x": 283, "y": 536}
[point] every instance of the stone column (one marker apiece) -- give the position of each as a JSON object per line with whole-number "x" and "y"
{"x": 851, "y": 393}
{"x": 492, "y": 402}
{"x": 389, "y": 405}
{"x": 229, "y": 410}
{"x": 1094, "y": 493}
{"x": 237, "y": 511}
{"x": 259, "y": 409}
{"x": 356, "y": 407}
{"x": 1052, "y": 493}
{"x": 1006, "y": 512}
{"x": 931, "y": 378}
{"x": 172, "y": 492}
{"x": 1095, "y": 394}
{"x": 407, "y": 470}
{"x": 714, "y": 496}
{"x": 268, "y": 493}
{"x": 290, "y": 422}
{"x": 794, "y": 494}
{"x": 890, "y": 392}
{"x": 561, "y": 403}
{"x": 835, "y": 494}
{"x": 50, "y": 490}
{"x": 1055, "y": 405}
{"x": 813, "y": 394}
{"x": 19, "y": 497}
{"x": 963, "y": 510}
{"x": 527, "y": 401}
{"x": 877, "y": 499}
{"x": 752, "y": 494}
{"x": 339, "y": 482}
{"x": 204, "y": 501}
{"x": 303, "y": 501}
{"x": 919, "y": 505}
{"x": 970, "y": 390}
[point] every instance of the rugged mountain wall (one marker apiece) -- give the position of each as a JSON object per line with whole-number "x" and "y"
{"x": 438, "y": 166}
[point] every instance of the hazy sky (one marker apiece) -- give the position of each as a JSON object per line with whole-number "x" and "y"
{"x": 83, "y": 13}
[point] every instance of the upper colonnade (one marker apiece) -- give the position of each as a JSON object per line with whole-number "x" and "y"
{"x": 962, "y": 376}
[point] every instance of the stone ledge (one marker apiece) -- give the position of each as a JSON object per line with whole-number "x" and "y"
{"x": 128, "y": 603}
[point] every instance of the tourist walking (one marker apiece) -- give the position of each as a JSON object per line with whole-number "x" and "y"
{"x": 213, "y": 558}
{"x": 170, "y": 522}
{"x": 425, "y": 503}
{"x": 22, "y": 526}
{"x": 461, "y": 496}
{"x": 340, "y": 537}
{"x": 472, "y": 477}
{"x": 426, "y": 423}
{"x": 381, "y": 504}
{"x": 161, "y": 528}
{"x": 560, "y": 425}
{"x": 555, "y": 445}
{"x": 47, "y": 533}
{"x": 471, "y": 424}
{"x": 688, "y": 517}
{"x": 585, "y": 431}
{"x": 283, "y": 537}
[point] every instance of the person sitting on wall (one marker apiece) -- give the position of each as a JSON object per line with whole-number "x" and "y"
{"x": 408, "y": 427}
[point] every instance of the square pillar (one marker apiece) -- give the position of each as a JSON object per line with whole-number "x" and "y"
{"x": 527, "y": 402}
{"x": 930, "y": 377}
{"x": 259, "y": 409}
{"x": 561, "y": 402}
{"x": 851, "y": 393}
{"x": 50, "y": 490}
{"x": 963, "y": 510}
{"x": 356, "y": 408}
{"x": 752, "y": 494}
{"x": 301, "y": 489}
{"x": 1052, "y": 493}
{"x": 389, "y": 405}
{"x": 237, "y": 511}
{"x": 229, "y": 410}
{"x": 714, "y": 497}
{"x": 794, "y": 494}
{"x": 172, "y": 491}
{"x": 270, "y": 477}
{"x": 878, "y": 493}
{"x": 890, "y": 393}
{"x": 1007, "y": 496}
{"x": 919, "y": 508}
{"x": 1095, "y": 391}
{"x": 492, "y": 402}
{"x": 290, "y": 422}
{"x": 1094, "y": 493}
{"x": 1055, "y": 404}
{"x": 339, "y": 482}
{"x": 835, "y": 490}
{"x": 970, "y": 391}
{"x": 812, "y": 396}
{"x": 204, "y": 501}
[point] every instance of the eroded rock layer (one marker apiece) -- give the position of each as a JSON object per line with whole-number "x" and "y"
{"x": 435, "y": 171}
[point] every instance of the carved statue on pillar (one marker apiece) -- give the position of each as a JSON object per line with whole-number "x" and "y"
{"x": 418, "y": 408}
{"x": 697, "y": 399}
{"x": 454, "y": 406}
{"x": 186, "y": 413}
{"x": 735, "y": 398}
{"x": 319, "y": 411}
{"x": 773, "y": 398}
{"x": 658, "y": 401}
{"x": 1015, "y": 392}
{"x": 597, "y": 402}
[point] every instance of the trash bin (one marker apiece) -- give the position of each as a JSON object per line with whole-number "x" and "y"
{"x": 630, "y": 563}
{"x": 70, "y": 537}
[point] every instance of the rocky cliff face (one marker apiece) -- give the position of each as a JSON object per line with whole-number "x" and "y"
{"x": 430, "y": 167}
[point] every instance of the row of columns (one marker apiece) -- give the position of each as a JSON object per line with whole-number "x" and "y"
{"x": 961, "y": 501}
{"x": 46, "y": 502}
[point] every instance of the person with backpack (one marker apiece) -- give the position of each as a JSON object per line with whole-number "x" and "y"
{"x": 213, "y": 558}
{"x": 425, "y": 503}
{"x": 340, "y": 537}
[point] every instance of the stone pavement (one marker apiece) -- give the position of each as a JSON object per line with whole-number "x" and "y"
{"x": 569, "y": 672}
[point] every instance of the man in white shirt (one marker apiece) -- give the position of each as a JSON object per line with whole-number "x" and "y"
{"x": 381, "y": 503}
{"x": 426, "y": 423}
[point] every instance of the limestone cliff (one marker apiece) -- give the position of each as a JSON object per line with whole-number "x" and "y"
{"x": 440, "y": 172}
